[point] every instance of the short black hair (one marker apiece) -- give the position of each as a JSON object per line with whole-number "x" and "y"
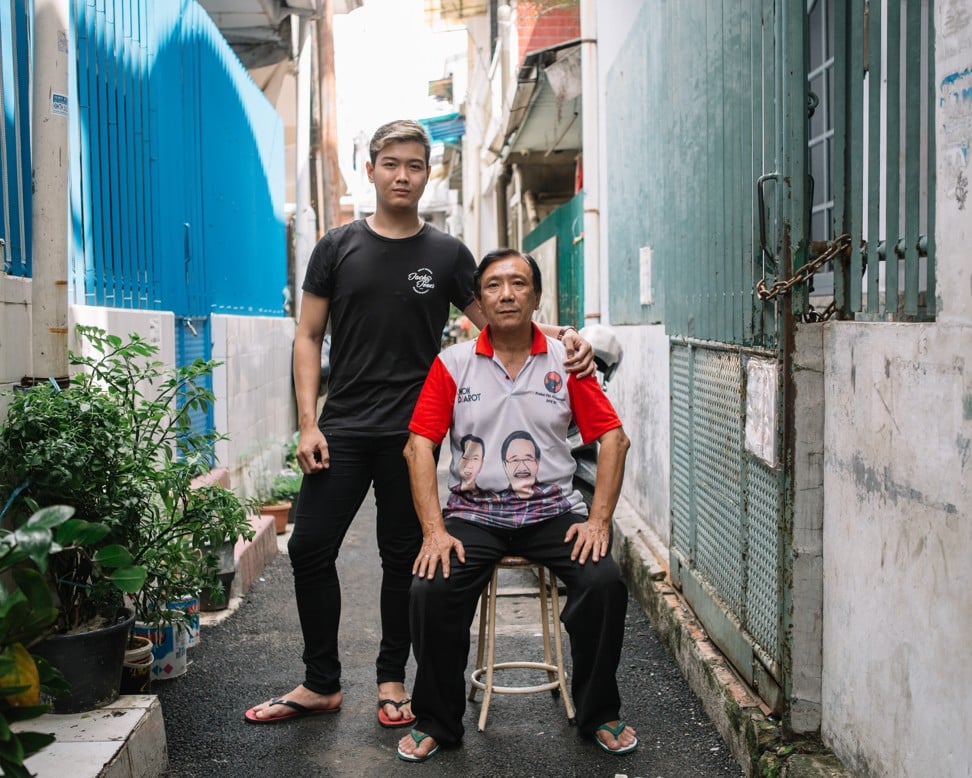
{"x": 495, "y": 256}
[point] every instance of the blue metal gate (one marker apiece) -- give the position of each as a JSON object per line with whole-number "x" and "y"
{"x": 178, "y": 183}
{"x": 178, "y": 179}
{"x": 14, "y": 139}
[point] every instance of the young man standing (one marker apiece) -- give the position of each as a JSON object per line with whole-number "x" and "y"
{"x": 525, "y": 504}
{"x": 385, "y": 284}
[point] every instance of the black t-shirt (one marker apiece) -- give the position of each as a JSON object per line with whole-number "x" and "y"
{"x": 389, "y": 300}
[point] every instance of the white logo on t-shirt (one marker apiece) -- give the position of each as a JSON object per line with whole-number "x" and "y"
{"x": 423, "y": 280}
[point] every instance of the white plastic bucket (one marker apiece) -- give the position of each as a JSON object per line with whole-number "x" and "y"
{"x": 170, "y": 645}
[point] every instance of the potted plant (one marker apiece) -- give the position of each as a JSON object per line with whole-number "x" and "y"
{"x": 118, "y": 445}
{"x": 283, "y": 495}
{"x": 57, "y": 446}
{"x": 280, "y": 496}
{"x": 181, "y": 547}
{"x": 27, "y": 615}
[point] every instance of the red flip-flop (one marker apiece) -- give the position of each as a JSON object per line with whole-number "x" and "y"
{"x": 394, "y": 723}
{"x": 296, "y": 711}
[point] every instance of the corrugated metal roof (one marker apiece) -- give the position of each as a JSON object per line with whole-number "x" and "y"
{"x": 545, "y": 116}
{"x": 259, "y": 30}
{"x": 447, "y": 129}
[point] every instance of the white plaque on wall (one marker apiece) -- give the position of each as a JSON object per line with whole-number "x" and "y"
{"x": 762, "y": 381}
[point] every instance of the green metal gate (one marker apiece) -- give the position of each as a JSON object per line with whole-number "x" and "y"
{"x": 730, "y": 544}
{"x": 766, "y": 138}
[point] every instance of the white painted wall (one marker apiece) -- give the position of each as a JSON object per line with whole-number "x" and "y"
{"x": 157, "y": 327}
{"x": 255, "y": 403}
{"x": 639, "y": 391}
{"x": 898, "y": 493}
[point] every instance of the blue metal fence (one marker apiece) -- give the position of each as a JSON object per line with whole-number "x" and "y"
{"x": 14, "y": 138}
{"x": 178, "y": 183}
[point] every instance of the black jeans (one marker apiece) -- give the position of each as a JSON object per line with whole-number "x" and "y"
{"x": 443, "y": 610}
{"x": 327, "y": 505}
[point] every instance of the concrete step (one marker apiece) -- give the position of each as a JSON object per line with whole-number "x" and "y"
{"x": 123, "y": 740}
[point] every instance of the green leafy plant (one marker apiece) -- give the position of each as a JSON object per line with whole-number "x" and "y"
{"x": 285, "y": 486}
{"x": 58, "y": 446}
{"x": 180, "y": 545}
{"x": 27, "y": 615}
{"x": 119, "y": 445}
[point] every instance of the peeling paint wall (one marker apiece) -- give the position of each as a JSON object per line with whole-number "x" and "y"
{"x": 954, "y": 143}
{"x": 898, "y": 492}
{"x": 898, "y": 548}
{"x": 639, "y": 390}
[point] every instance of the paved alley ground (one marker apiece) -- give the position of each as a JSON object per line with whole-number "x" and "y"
{"x": 255, "y": 654}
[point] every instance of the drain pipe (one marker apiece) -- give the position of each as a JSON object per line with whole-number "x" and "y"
{"x": 590, "y": 159}
{"x": 305, "y": 221}
{"x": 50, "y": 165}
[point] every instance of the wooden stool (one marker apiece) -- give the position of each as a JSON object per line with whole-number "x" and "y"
{"x": 557, "y": 678}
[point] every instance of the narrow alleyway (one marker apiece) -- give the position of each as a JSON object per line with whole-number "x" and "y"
{"x": 255, "y": 654}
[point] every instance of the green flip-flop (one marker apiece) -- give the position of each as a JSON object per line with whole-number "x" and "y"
{"x": 418, "y": 737}
{"x": 616, "y": 733}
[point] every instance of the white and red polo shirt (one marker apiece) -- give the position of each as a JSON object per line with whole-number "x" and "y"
{"x": 518, "y": 428}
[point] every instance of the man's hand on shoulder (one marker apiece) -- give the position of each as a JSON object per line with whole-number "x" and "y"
{"x": 580, "y": 353}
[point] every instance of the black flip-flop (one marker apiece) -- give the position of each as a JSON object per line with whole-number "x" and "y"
{"x": 297, "y": 711}
{"x": 394, "y": 723}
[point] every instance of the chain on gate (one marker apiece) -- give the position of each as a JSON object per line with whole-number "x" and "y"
{"x": 840, "y": 246}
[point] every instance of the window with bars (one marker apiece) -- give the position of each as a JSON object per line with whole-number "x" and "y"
{"x": 871, "y": 154}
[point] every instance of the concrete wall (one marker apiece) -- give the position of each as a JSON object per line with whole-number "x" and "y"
{"x": 898, "y": 493}
{"x": 254, "y": 396}
{"x": 15, "y": 361}
{"x": 639, "y": 391}
{"x": 157, "y": 327}
{"x": 897, "y": 541}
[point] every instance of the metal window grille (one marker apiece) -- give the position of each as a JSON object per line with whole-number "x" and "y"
{"x": 884, "y": 157}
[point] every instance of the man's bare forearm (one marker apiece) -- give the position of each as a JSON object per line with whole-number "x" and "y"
{"x": 307, "y": 378}
{"x": 420, "y": 455}
{"x": 611, "y": 455}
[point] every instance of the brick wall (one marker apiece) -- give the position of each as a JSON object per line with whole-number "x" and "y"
{"x": 541, "y": 25}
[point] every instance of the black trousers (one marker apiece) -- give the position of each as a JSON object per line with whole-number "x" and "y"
{"x": 442, "y": 611}
{"x": 327, "y": 505}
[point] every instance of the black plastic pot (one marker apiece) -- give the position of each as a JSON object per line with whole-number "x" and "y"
{"x": 91, "y": 662}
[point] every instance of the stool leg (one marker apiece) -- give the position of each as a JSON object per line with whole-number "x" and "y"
{"x": 558, "y": 645}
{"x": 481, "y": 645}
{"x": 490, "y": 650}
{"x": 545, "y": 619}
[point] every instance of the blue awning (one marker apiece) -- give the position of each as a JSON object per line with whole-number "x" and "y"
{"x": 447, "y": 129}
